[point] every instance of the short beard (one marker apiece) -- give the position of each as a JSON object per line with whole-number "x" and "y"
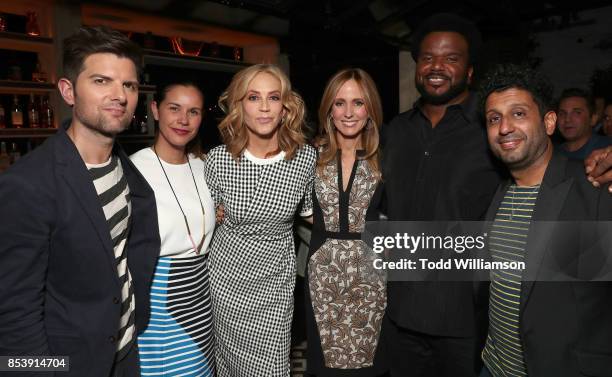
{"x": 441, "y": 99}
{"x": 98, "y": 124}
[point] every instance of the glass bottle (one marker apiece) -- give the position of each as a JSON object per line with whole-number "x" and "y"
{"x": 2, "y": 22}
{"x": 5, "y": 159}
{"x": 144, "y": 117}
{"x": 32, "y": 24}
{"x": 33, "y": 113}
{"x": 149, "y": 41}
{"x": 39, "y": 75}
{"x": 46, "y": 114}
{"x": 237, "y": 54}
{"x": 16, "y": 113}
{"x": 2, "y": 116}
{"x": 14, "y": 154}
{"x": 14, "y": 69}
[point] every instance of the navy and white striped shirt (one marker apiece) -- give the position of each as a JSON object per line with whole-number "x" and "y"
{"x": 114, "y": 194}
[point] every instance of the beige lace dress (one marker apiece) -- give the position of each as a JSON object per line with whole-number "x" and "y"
{"x": 345, "y": 295}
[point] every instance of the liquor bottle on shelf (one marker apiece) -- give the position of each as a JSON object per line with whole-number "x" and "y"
{"x": 144, "y": 118}
{"x": 2, "y": 22}
{"x": 133, "y": 127}
{"x": 46, "y": 114}
{"x": 14, "y": 68}
{"x": 33, "y": 113}
{"x": 149, "y": 41}
{"x": 39, "y": 75}
{"x": 14, "y": 154}
{"x": 5, "y": 159}
{"x": 2, "y": 116}
{"x": 237, "y": 52}
{"x": 16, "y": 113}
{"x": 32, "y": 24}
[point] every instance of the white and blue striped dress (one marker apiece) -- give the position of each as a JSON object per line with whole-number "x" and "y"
{"x": 178, "y": 340}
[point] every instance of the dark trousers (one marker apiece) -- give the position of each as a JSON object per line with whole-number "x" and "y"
{"x": 414, "y": 354}
{"x": 129, "y": 366}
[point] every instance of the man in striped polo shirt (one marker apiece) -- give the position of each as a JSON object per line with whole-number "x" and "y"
{"x": 537, "y": 327}
{"x": 80, "y": 241}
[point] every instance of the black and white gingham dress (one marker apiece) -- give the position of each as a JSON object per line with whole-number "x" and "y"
{"x": 252, "y": 259}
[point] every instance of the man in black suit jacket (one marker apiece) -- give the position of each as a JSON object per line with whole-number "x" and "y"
{"x": 75, "y": 212}
{"x": 550, "y": 319}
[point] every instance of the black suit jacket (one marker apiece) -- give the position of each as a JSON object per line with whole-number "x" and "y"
{"x": 59, "y": 288}
{"x": 565, "y": 326}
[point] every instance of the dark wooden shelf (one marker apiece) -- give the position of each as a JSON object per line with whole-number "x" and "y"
{"x": 25, "y": 37}
{"x": 24, "y": 86}
{"x": 144, "y": 89}
{"x": 18, "y": 133}
{"x": 187, "y": 61}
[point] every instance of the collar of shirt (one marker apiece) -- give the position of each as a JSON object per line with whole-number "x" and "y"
{"x": 468, "y": 109}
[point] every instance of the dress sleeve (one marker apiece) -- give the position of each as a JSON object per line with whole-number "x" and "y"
{"x": 306, "y": 210}
{"x": 210, "y": 176}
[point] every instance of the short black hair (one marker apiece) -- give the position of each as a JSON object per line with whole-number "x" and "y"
{"x": 93, "y": 40}
{"x": 581, "y": 93}
{"x": 441, "y": 22}
{"x": 507, "y": 76}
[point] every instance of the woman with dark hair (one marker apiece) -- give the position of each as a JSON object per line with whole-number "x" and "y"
{"x": 179, "y": 338}
{"x": 346, "y": 297}
{"x": 260, "y": 175}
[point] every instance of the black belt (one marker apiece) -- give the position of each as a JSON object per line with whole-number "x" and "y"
{"x": 343, "y": 235}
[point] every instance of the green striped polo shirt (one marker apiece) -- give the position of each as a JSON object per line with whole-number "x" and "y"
{"x": 503, "y": 352}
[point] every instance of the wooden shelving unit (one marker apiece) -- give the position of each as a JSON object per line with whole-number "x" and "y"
{"x": 44, "y": 46}
{"x": 26, "y": 133}
{"x": 26, "y": 87}
{"x": 59, "y": 19}
{"x": 19, "y": 37}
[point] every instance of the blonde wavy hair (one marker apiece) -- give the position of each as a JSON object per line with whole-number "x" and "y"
{"x": 370, "y": 133}
{"x": 233, "y": 128}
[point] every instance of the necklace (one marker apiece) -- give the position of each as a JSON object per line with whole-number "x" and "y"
{"x": 518, "y": 205}
{"x": 199, "y": 246}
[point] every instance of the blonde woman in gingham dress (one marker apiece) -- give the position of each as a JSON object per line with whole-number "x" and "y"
{"x": 262, "y": 176}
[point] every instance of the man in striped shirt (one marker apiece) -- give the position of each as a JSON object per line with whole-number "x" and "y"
{"x": 81, "y": 242}
{"x": 536, "y": 327}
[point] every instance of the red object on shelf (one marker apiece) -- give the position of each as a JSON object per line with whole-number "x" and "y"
{"x": 32, "y": 24}
{"x": 186, "y": 47}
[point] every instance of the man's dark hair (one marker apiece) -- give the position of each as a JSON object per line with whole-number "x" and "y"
{"x": 580, "y": 93}
{"x": 441, "y": 22}
{"x": 93, "y": 40}
{"x": 507, "y": 76}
